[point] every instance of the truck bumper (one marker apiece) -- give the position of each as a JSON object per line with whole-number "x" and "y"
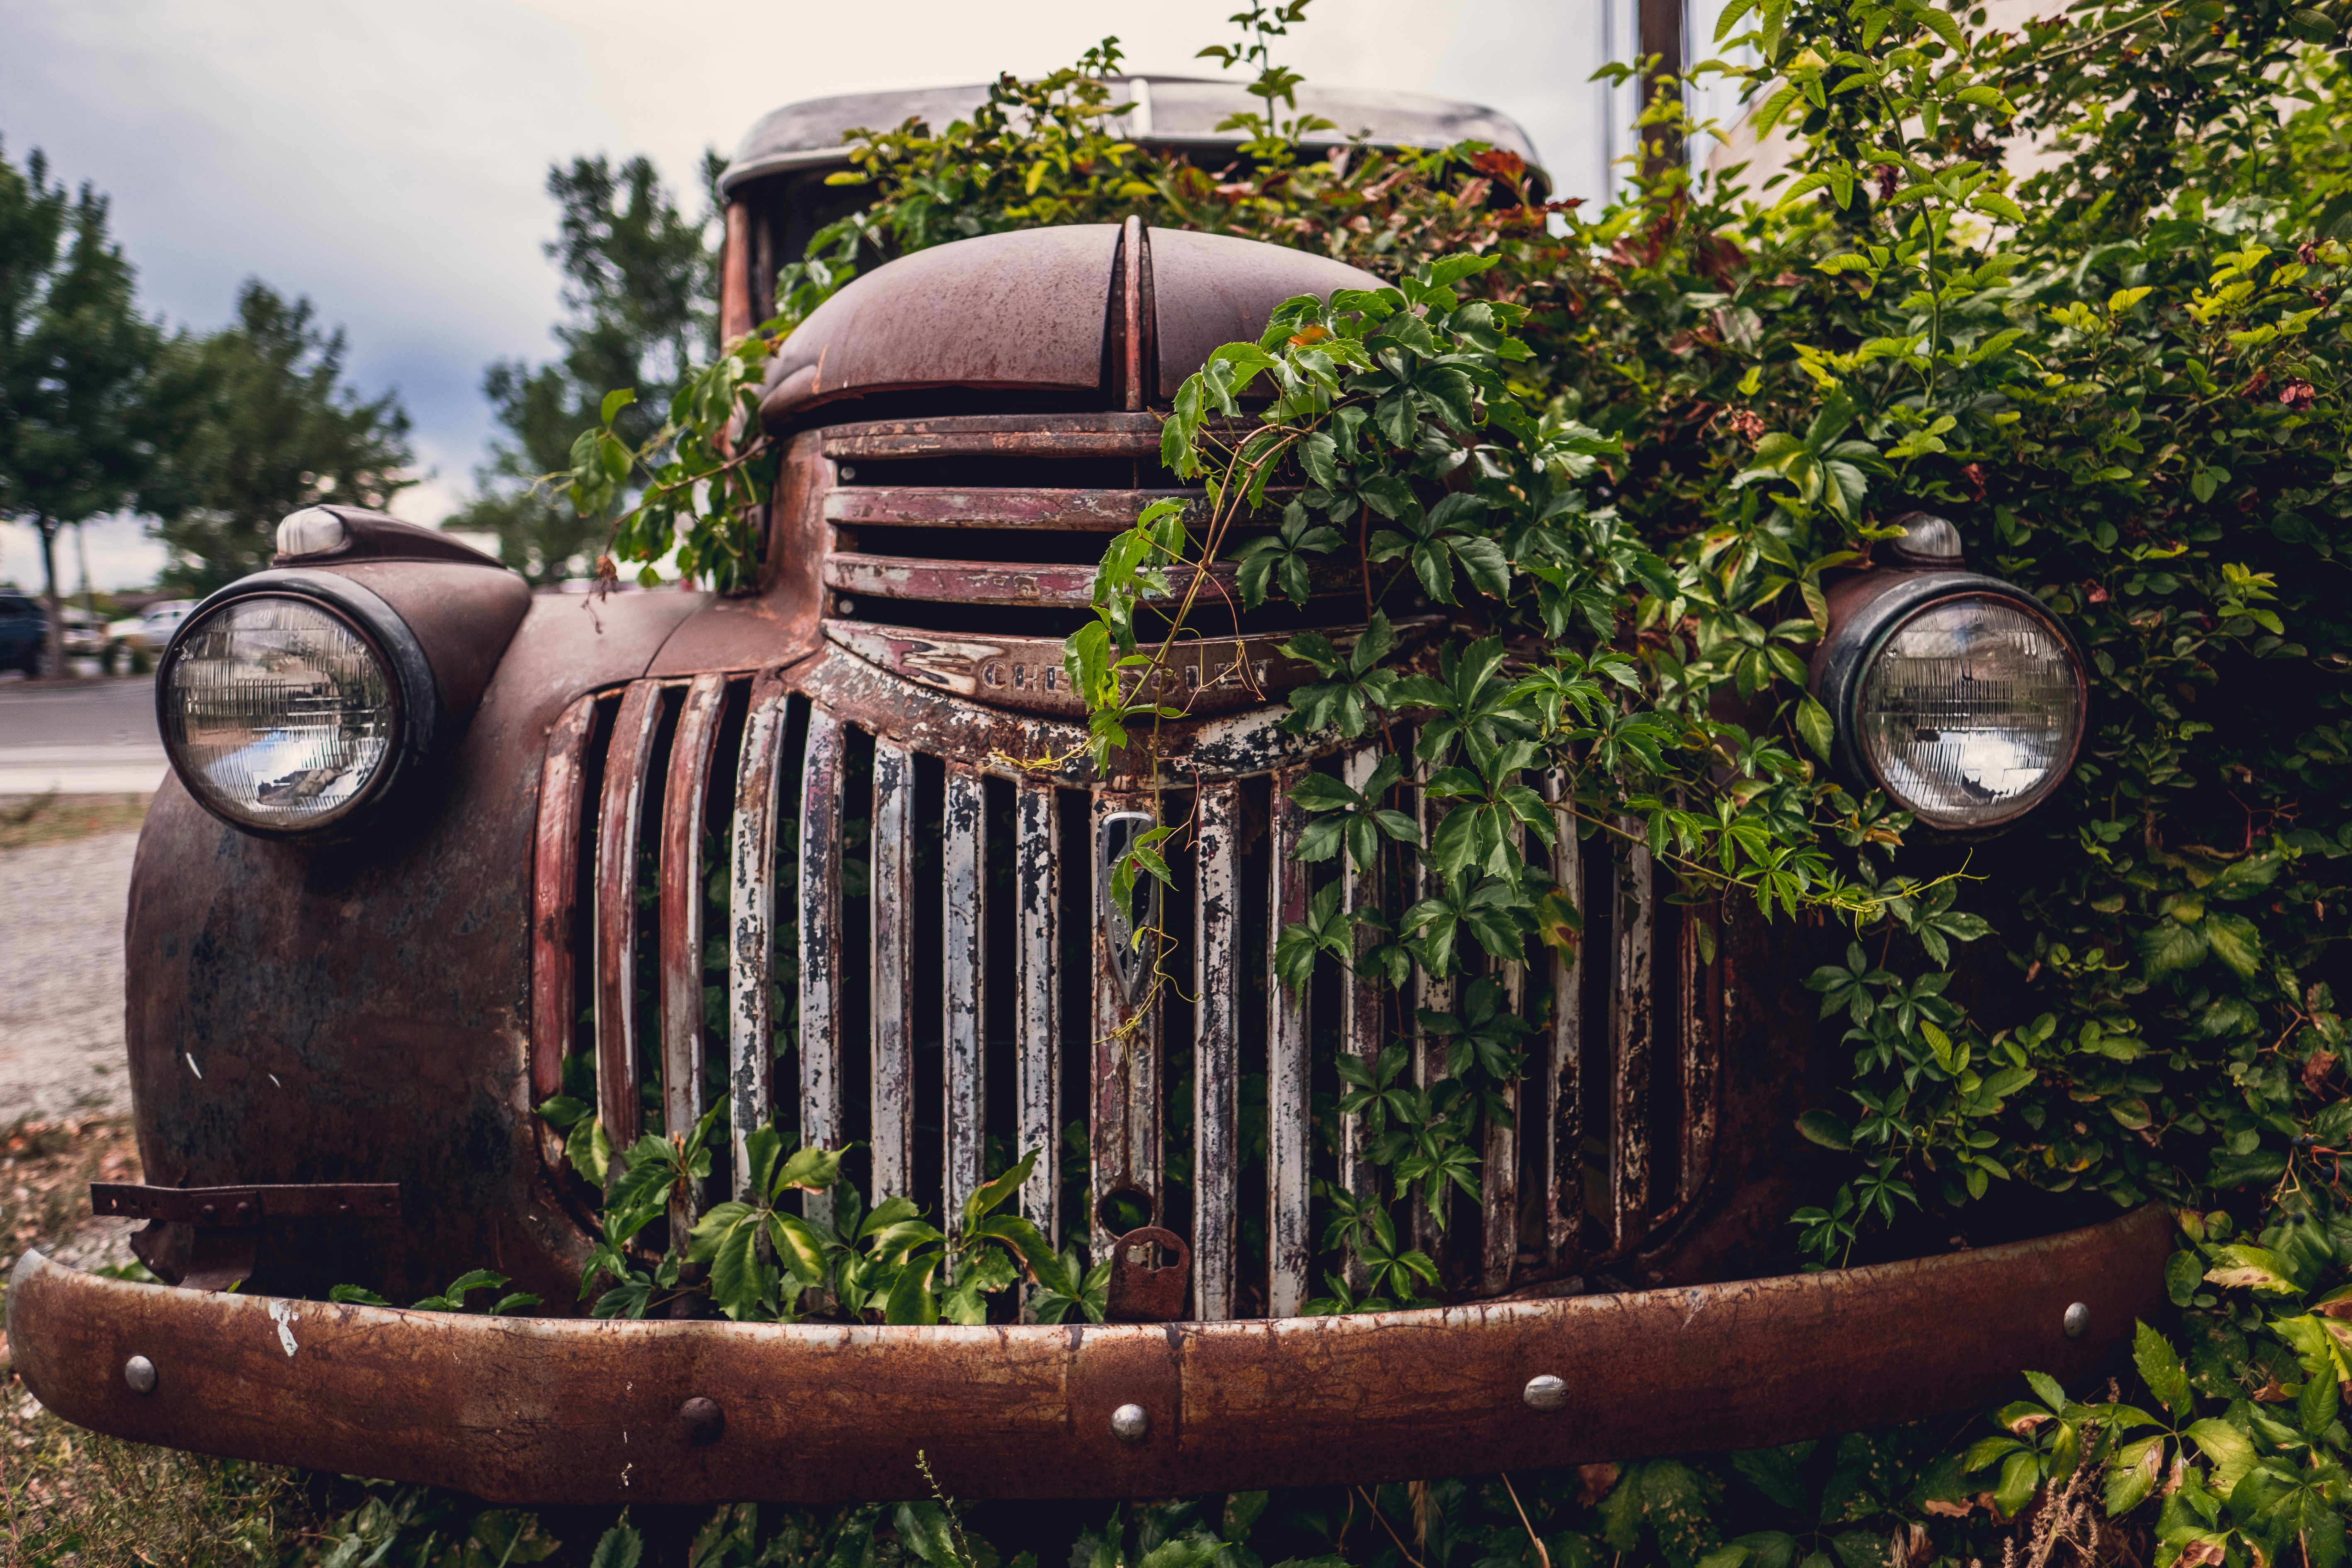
{"x": 564, "y": 1410}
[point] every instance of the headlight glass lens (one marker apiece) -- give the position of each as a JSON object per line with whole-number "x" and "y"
{"x": 277, "y": 713}
{"x": 1971, "y": 711}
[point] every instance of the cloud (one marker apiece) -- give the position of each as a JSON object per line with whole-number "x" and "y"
{"x": 389, "y": 160}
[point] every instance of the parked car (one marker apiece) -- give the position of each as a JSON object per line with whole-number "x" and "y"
{"x": 23, "y": 633}
{"x": 436, "y": 851}
{"x": 150, "y": 628}
{"x": 86, "y": 634}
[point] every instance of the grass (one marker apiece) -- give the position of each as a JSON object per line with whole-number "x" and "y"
{"x": 71, "y": 1497}
{"x": 54, "y": 818}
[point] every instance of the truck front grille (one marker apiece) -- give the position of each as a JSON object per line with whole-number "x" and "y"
{"x": 746, "y": 893}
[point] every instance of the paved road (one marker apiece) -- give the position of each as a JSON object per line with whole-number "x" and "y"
{"x": 61, "y": 909}
{"x": 86, "y": 737}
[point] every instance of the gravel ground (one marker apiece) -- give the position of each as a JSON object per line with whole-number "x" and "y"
{"x": 61, "y": 908}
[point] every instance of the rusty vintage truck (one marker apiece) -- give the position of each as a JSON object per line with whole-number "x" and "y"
{"x": 830, "y": 853}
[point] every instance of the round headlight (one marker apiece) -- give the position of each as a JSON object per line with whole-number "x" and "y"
{"x": 283, "y": 714}
{"x": 1959, "y": 695}
{"x": 1970, "y": 711}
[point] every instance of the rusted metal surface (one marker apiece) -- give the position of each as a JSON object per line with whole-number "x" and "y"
{"x": 627, "y": 766}
{"x": 1206, "y": 677}
{"x": 1124, "y": 1031}
{"x": 1037, "y": 997}
{"x": 1019, "y": 310}
{"x": 1633, "y": 1001}
{"x": 820, "y": 939}
{"x": 1430, "y": 1061}
{"x": 1498, "y": 1168}
{"x": 1700, "y": 1005}
{"x": 965, "y": 910}
{"x": 1564, "y": 1042}
{"x": 996, "y": 436}
{"x": 890, "y": 914}
{"x": 1362, "y": 1029}
{"x": 245, "y": 1206}
{"x": 1134, "y": 296}
{"x": 1217, "y": 988}
{"x": 1016, "y": 745}
{"x": 1289, "y": 1074}
{"x": 1141, "y": 1288}
{"x": 1068, "y": 587}
{"x": 1209, "y": 290}
{"x": 691, "y": 755}
{"x": 735, "y": 322}
{"x": 555, "y": 898}
{"x": 363, "y": 1011}
{"x": 750, "y": 924}
{"x": 1042, "y": 509}
{"x": 547, "y": 1412}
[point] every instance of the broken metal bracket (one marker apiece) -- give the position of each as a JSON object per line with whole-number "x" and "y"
{"x": 225, "y": 1222}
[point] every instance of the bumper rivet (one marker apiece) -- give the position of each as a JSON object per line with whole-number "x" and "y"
{"x": 1129, "y": 1423}
{"x": 1546, "y": 1392}
{"x": 702, "y": 1420}
{"x": 140, "y": 1374}
{"x": 2078, "y": 1321}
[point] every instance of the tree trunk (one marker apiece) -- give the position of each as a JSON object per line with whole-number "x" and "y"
{"x": 49, "y": 527}
{"x": 1662, "y": 25}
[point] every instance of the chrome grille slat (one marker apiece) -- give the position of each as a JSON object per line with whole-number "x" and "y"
{"x": 555, "y": 893}
{"x": 1037, "y": 893}
{"x": 1289, "y": 1075}
{"x": 1359, "y": 995}
{"x": 751, "y": 930}
{"x": 1631, "y": 1042}
{"x": 1125, "y": 1146}
{"x": 1564, "y": 1164}
{"x": 1655, "y": 1112}
{"x": 965, "y": 865}
{"x": 1429, "y": 1052}
{"x": 890, "y": 914}
{"x": 1498, "y": 1168}
{"x": 1216, "y": 1048}
{"x": 820, "y": 939}
{"x": 635, "y": 731}
{"x": 691, "y": 755}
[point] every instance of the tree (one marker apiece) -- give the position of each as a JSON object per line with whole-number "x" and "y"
{"x": 255, "y": 421}
{"x": 74, "y": 358}
{"x": 639, "y": 289}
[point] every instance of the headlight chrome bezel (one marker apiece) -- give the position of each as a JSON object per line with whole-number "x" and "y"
{"x": 1870, "y": 620}
{"x": 416, "y": 705}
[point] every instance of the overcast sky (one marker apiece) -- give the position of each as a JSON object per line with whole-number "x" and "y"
{"x": 389, "y": 160}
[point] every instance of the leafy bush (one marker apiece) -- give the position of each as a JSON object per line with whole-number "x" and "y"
{"x": 2123, "y": 375}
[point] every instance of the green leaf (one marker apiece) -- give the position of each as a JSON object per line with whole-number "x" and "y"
{"x": 925, "y": 1529}
{"x": 2160, "y": 1369}
{"x": 2230, "y": 1451}
{"x": 2234, "y": 941}
{"x": 1813, "y": 724}
{"x": 911, "y": 1295}
{"x": 1827, "y": 1129}
{"x": 620, "y": 1547}
{"x": 2020, "y": 1478}
{"x": 2183, "y": 1272}
{"x": 2251, "y": 1268}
